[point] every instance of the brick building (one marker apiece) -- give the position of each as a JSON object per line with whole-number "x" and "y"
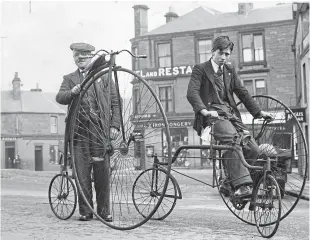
{"x": 262, "y": 56}
{"x": 32, "y": 124}
{"x": 301, "y": 51}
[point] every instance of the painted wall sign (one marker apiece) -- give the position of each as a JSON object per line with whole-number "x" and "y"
{"x": 165, "y": 72}
{"x": 161, "y": 124}
{"x": 8, "y": 138}
{"x": 146, "y": 116}
{"x": 300, "y": 114}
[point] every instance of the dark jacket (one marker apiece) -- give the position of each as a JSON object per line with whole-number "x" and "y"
{"x": 201, "y": 91}
{"x": 65, "y": 97}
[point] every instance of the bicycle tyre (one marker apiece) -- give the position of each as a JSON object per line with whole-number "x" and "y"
{"x": 143, "y": 193}
{"x": 124, "y": 214}
{"x": 66, "y": 184}
{"x": 272, "y": 195}
{"x": 292, "y": 187}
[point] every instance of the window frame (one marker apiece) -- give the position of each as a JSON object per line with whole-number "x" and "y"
{"x": 157, "y": 53}
{"x": 253, "y": 61}
{"x": 134, "y": 90}
{"x": 172, "y": 97}
{"x": 304, "y": 81}
{"x": 57, "y": 154}
{"x": 197, "y": 47}
{"x": 254, "y": 79}
{"x": 56, "y": 125}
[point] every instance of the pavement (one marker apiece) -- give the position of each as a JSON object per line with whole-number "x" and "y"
{"x": 200, "y": 214}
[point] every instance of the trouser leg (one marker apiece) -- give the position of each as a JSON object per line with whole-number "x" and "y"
{"x": 224, "y": 132}
{"x": 101, "y": 168}
{"x": 83, "y": 169}
{"x": 251, "y": 152}
{"x": 102, "y": 186}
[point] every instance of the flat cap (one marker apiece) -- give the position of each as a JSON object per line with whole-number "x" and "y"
{"x": 84, "y": 47}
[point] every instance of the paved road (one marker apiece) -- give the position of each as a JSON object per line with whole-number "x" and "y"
{"x": 201, "y": 214}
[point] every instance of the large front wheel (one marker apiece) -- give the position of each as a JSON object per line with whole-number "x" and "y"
{"x": 138, "y": 114}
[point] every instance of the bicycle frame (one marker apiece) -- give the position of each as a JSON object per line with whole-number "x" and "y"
{"x": 213, "y": 148}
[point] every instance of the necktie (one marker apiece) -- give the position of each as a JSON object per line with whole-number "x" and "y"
{"x": 219, "y": 83}
{"x": 219, "y": 72}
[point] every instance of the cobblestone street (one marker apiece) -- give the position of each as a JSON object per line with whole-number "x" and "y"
{"x": 201, "y": 214}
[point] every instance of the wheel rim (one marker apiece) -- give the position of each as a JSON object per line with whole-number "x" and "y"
{"x": 267, "y": 210}
{"x": 147, "y": 189}
{"x": 62, "y": 196}
{"x": 293, "y": 188}
{"x": 124, "y": 162}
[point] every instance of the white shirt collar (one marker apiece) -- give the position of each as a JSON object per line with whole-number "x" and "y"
{"x": 83, "y": 74}
{"x": 215, "y": 66}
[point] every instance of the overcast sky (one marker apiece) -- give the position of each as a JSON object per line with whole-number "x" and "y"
{"x": 35, "y": 37}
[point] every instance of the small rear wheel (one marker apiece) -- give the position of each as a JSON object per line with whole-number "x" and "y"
{"x": 267, "y": 206}
{"x": 62, "y": 196}
{"x": 147, "y": 190}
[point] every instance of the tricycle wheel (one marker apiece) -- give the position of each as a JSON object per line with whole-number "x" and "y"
{"x": 147, "y": 190}
{"x": 267, "y": 206}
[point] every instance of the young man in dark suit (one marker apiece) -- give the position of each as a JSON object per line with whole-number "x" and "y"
{"x": 90, "y": 131}
{"x": 210, "y": 92}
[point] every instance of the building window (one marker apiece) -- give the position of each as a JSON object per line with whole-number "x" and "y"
{"x": 179, "y": 137}
{"x": 305, "y": 25}
{"x": 135, "y": 61}
{"x": 54, "y": 154}
{"x": 252, "y": 47}
{"x": 204, "y": 50}
{"x": 304, "y": 75}
{"x": 165, "y": 97}
{"x": 136, "y": 101}
{"x": 164, "y": 55}
{"x": 54, "y": 124}
{"x": 256, "y": 87}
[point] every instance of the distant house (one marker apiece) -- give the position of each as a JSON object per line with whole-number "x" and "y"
{"x": 32, "y": 126}
{"x": 262, "y": 57}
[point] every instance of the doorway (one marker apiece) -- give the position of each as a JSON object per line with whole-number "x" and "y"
{"x": 9, "y": 154}
{"x": 38, "y": 158}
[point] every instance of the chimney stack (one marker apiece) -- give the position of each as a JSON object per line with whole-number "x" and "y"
{"x": 16, "y": 87}
{"x": 171, "y": 15}
{"x": 244, "y": 8}
{"x": 37, "y": 89}
{"x": 141, "y": 20}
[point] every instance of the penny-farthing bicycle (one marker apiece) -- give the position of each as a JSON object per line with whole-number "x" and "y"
{"x": 135, "y": 97}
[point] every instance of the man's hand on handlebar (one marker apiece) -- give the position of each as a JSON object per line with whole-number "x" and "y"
{"x": 76, "y": 90}
{"x": 211, "y": 114}
{"x": 267, "y": 116}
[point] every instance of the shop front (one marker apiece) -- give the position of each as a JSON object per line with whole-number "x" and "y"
{"x": 155, "y": 142}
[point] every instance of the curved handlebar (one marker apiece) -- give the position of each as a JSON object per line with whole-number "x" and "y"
{"x": 104, "y": 56}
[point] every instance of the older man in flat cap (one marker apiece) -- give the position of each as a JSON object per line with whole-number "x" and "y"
{"x": 88, "y": 149}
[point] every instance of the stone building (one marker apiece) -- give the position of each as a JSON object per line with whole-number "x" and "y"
{"x": 262, "y": 57}
{"x": 300, "y": 49}
{"x": 32, "y": 126}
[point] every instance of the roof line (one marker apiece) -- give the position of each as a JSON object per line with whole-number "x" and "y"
{"x": 207, "y": 29}
{"x": 53, "y": 103}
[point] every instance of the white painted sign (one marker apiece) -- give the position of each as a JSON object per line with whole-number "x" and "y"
{"x": 165, "y": 72}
